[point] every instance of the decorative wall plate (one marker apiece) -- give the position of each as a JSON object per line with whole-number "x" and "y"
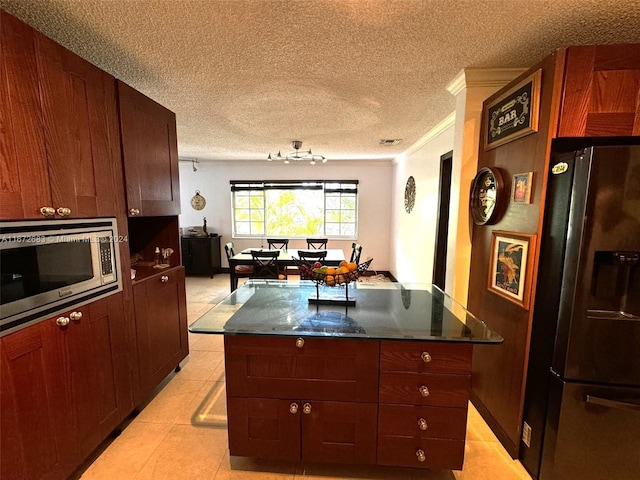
{"x": 197, "y": 201}
{"x": 409, "y": 194}
{"x": 486, "y": 195}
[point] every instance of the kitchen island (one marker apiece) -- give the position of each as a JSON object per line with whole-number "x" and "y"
{"x": 383, "y": 382}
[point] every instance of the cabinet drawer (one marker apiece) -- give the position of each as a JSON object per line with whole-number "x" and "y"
{"x": 403, "y": 451}
{"x": 423, "y": 422}
{"x": 425, "y": 357}
{"x": 320, "y": 369}
{"x": 441, "y": 390}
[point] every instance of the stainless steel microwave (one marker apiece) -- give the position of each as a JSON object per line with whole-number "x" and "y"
{"x": 49, "y": 266}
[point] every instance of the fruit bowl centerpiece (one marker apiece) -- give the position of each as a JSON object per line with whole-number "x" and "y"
{"x": 341, "y": 275}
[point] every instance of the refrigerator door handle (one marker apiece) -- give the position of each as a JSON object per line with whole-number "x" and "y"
{"x": 605, "y": 402}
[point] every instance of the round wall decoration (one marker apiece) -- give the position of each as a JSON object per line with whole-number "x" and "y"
{"x": 410, "y": 194}
{"x": 197, "y": 201}
{"x": 486, "y": 195}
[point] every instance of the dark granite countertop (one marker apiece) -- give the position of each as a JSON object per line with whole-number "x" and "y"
{"x": 382, "y": 311}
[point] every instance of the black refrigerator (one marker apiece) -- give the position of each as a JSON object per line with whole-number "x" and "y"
{"x": 582, "y": 399}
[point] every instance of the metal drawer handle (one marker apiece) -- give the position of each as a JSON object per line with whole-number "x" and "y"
{"x": 422, "y": 424}
{"x": 299, "y": 342}
{"x": 306, "y": 408}
{"x": 62, "y": 321}
{"x": 426, "y": 358}
{"x": 293, "y": 408}
{"x": 421, "y": 455}
{"x": 134, "y": 211}
{"x": 64, "y": 211}
{"x": 605, "y": 402}
{"x": 424, "y": 391}
{"x": 48, "y": 211}
{"x": 164, "y": 278}
{"x": 75, "y": 316}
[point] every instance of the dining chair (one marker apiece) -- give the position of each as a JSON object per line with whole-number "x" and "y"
{"x": 309, "y": 257}
{"x": 355, "y": 253}
{"x": 241, "y": 271}
{"x": 317, "y": 243}
{"x": 265, "y": 263}
{"x": 279, "y": 243}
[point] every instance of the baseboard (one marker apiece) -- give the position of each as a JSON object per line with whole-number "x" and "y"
{"x": 495, "y": 427}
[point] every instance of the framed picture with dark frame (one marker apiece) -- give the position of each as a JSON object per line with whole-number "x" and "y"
{"x": 513, "y": 114}
{"x": 510, "y": 266}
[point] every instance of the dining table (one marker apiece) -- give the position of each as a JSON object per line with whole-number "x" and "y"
{"x": 285, "y": 259}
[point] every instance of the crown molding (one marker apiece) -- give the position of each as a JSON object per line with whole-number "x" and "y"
{"x": 448, "y": 122}
{"x": 482, "y": 77}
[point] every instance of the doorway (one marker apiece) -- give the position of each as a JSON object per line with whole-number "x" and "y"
{"x": 442, "y": 228}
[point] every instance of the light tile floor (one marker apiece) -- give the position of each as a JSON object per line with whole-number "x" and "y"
{"x": 181, "y": 433}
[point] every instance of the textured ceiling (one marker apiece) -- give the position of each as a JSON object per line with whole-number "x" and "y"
{"x": 246, "y": 77}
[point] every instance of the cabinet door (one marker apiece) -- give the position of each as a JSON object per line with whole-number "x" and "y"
{"x": 25, "y": 178}
{"x": 64, "y": 389}
{"x": 150, "y": 153}
{"x": 98, "y": 370}
{"x": 81, "y": 134}
{"x": 264, "y": 428}
{"x": 339, "y": 432}
{"x": 36, "y": 435}
{"x": 161, "y": 328}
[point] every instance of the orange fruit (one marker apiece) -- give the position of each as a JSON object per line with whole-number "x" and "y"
{"x": 331, "y": 271}
{"x": 343, "y": 269}
{"x": 352, "y": 266}
{"x": 330, "y": 280}
{"x": 342, "y": 263}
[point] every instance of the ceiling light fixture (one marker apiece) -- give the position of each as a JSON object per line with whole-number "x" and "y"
{"x": 298, "y": 156}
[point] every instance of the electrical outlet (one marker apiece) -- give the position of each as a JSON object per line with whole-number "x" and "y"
{"x": 526, "y": 434}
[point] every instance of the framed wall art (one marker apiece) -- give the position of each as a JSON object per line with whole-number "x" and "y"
{"x": 513, "y": 114}
{"x": 510, "y": 266}
{"x": 521, "y": 187}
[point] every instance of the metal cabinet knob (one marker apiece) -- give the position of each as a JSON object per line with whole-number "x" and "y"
{"x": 306, "y": 408}
{"x": 75, "y": 316}
{"x": 293, "y": 408}
{"x": 299, "y": 342}
{"x": 164, "y": 278}
{"x": 426, "y": 358}
{"x": 421, "y": 455}
{"x": 48, "y": 211}
{"x": 424, "y": 391}
{"x": 134, "y": 211}
{"x": 422, "y": 424}
{"x": 64, "y": 211}
{"x": 62, "y": 321}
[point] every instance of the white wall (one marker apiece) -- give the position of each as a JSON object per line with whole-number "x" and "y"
{"x": 374, "y": 195}
{"x": 414, "y": 234}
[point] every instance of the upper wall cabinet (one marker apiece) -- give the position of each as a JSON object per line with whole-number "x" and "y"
{"x": 59, "y": 148}
{"x": 601, "y": 92}
{"x": 150, "y": 152}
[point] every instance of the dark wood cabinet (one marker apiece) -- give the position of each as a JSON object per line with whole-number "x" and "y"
{"x": 150, "y": 153}
{"x": 63, "y": 389}
{"x": 320, "y": 400}
{"x": 600, "y": 92}
{"x": 201, "y": 255}
{"x": 424, "y": 394}
{"x": 323, "y": 398}
{"x": 61, "y": 142}
{"x": 161, "y": 328}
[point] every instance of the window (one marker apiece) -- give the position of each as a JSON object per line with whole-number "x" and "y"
{"x": 295, "y": 208}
